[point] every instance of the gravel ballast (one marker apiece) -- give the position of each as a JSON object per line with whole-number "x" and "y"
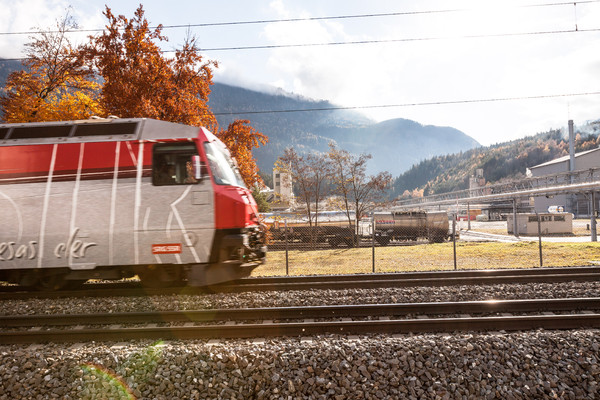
{"x": 500, "y": 365}
{"x": 538, "y": 364}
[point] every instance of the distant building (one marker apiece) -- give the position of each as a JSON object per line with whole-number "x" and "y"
{"x": 282, "y": 186}
{"x": 477, "y": 184}
{"x": 549, "y": 224}
{"x": 576, "y": 204}
{"x": 495, "y": 210}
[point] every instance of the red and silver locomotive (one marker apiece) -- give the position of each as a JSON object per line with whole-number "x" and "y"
{"x": 114, "y": 198}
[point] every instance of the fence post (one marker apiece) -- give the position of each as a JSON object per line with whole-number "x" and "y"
{"x": 515, "y": 223}
{"x": 540, "y": 237}
{"x": 373, "y": 239}
{"x": 287, "y": 267}
{"x": 594, "y": 235}
{"x": 454, "y": 237}
{"x": 468, "y": 216}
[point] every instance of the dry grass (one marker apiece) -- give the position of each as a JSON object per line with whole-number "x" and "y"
{"x": 470, "y": 255}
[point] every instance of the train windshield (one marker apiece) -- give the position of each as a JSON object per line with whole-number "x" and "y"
{"x": 223, "y": 168}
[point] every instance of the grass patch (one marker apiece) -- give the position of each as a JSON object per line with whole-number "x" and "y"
{"x": 430, "y": 257}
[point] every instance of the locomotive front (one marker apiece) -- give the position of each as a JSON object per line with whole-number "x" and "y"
{"x": 239, "y": 243}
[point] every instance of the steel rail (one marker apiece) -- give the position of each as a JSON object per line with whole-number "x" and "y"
{"x": 367, "y": 281}
{"x": 281, "y": 313}
{"x": 420, "y": 275}
{"x": 404, "y": 282}
{"x": 295, "y": 329}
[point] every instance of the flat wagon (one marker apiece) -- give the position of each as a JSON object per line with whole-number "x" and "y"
{"x": 410, "y": 225}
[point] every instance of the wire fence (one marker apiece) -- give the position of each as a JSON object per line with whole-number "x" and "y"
{"x": 385, "y": 245}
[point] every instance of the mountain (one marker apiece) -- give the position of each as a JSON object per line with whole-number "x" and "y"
{"x": 395, "y": 144}
{"x": 6, "y": 67}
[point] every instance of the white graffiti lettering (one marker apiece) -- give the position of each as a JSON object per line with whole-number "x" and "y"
{"x": 11, "y": 250}
{"x": 73, "y": 247}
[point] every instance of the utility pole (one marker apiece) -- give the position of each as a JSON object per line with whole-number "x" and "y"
{"x": 572, "y": 197}
{"x": 593, "y": 218}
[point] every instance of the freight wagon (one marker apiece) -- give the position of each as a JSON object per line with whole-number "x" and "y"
{"x": 410, "y": 225}
{"x": 114, "y": 198}
{"x": 389, "y": 225}
{"x": 332, "y": 232}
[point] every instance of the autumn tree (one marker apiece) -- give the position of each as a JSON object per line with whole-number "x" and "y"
{"x": 358, "y": 190}
{"x": 261, "y": 200}
{"x": 309, "y": 174}
{"x": 55, "y": 85}
{"x": 139, "y": 81}
{"x": 241, "y": 138}
{"x": 340, "y": 177}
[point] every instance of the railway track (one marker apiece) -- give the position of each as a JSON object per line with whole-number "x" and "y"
{"x": 333, "y": 282}
{"x": 305, "y": 321}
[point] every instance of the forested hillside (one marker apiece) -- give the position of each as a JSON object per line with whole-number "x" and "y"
{"x": 6, "y": 67}
{"x": 499, "y": 162}
{"x": 395, "y": 144}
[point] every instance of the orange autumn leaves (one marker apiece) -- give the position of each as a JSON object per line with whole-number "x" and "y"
{"x": 241, "y": 138}
{"x": 121, "y": 72}
{"x": 55, "y": 83}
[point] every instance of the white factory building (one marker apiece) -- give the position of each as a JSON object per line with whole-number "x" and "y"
{"x": 577, "y": 204}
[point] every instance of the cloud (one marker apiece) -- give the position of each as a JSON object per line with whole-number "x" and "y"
{"x": 34, "y": 15}
{"x": 449, "y": 68}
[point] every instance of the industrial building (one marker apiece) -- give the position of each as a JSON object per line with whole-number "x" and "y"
{"x": 578, "y": 204}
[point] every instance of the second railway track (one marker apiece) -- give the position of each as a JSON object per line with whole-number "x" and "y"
{"x": 357, "y": 281}
{"x": 305, "y": 321}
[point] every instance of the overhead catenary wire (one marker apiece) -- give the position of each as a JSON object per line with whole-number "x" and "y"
{"x": 370, "y": 42}
{"x": 306, "y": 19}
{"x": 378, "y": 41}
{"x": 415, "y": 104}
{"x": 342, "y": 43}
{"x": 382, "y": 41}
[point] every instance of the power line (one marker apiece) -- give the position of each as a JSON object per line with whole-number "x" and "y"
{"x": 379, "y": 41}
{"x": 334, "y": 17}
{"x": 421, "y": 104}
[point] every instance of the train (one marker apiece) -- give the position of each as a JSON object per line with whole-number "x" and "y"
{"x": 333, "y": 228}
{"x": 113, "y": 198}
{"x": 333, "y": 233}
{"x": 411, "y": 225}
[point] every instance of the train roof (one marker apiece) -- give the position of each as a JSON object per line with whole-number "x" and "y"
{"x": 94, "y": 130}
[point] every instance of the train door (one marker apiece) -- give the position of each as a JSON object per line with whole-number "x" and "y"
{"x": 176, "y": 207}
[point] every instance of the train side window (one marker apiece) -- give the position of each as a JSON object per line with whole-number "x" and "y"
{"x": 175, "y": 164}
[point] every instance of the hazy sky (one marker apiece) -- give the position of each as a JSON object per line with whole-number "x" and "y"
{"x": 449, "y": 52}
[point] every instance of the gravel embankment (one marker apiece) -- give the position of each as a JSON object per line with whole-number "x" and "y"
{"x": 539, "y": 364}
{"x": 517, "y": 365}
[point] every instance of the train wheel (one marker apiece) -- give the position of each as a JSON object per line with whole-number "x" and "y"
{"x": 159, "y": 276}
{"x": 25, "y": 279}
{"x": 334, "y": 242}
{"x": 48, "y": 282}
{"x": 383, "y": 241}
{"x": 75, "y": 284}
